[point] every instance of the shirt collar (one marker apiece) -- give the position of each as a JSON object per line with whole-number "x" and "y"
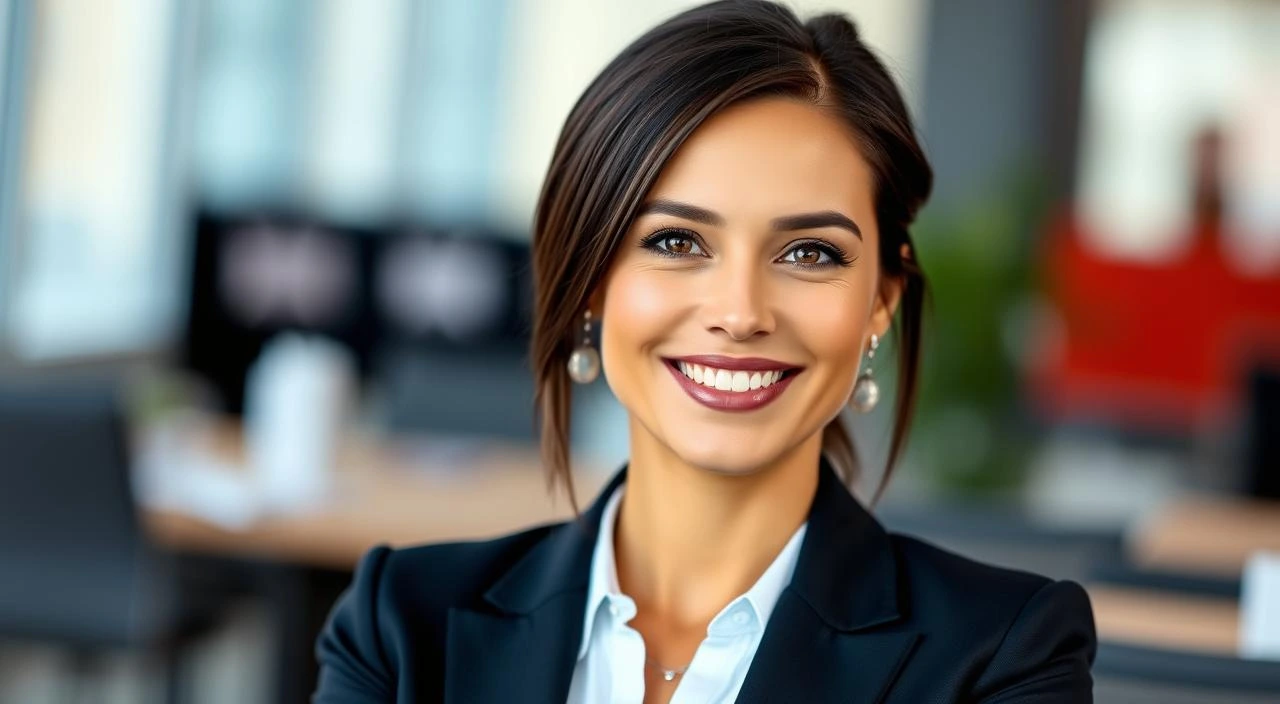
{"x": 603, "y": 584}
{"x": 604, "y": 569}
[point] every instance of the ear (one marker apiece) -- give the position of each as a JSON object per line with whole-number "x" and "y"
{"x": 595, "y": 301}
{"x": 887, "y": 299}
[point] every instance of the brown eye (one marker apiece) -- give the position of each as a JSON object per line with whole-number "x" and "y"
{"x": 673, "y": 243}
{"x": 678, "y": 244}
{"x": 815, "y": 255}
{"x": 807, "y": 255}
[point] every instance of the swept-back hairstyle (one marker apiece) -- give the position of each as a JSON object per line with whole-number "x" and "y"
{"x": 636, "y": 114}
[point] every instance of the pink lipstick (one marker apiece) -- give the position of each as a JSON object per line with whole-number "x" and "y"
{"x": 753, "y": 381}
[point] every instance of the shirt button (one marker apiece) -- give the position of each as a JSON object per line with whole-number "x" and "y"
{"x": 613, "y": 609}
{"x": 741, "y": 618}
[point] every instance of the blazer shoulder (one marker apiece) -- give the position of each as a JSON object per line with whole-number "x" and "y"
{"x": 931, "y": 567}
{"x": 1030, "y": 638}
{"x": 440, "y": 576}
{"x": 951, "y": 592}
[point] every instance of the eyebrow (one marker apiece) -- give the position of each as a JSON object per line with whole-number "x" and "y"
{"x": 786, "y": 223}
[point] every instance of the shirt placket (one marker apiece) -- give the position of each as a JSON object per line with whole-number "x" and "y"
{"x": 627, "y": 654}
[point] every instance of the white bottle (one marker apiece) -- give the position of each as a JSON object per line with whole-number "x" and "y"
{"x": 297, "y": 397}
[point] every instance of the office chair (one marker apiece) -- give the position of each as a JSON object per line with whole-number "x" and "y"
{"x": 77, "y": 570}
{"x": 1113, "y": 567}
{"x": 1131, "y": 674}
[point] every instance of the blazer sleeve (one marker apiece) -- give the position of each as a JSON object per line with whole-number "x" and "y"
{"x": 1046, "y": 655}
{"x": 353, "y": 658}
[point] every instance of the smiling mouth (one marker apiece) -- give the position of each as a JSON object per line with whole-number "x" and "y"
{"x": 737, "y": 381}
{"x": 728, "y": 384}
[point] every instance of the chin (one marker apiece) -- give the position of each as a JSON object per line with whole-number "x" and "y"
{"x": 729, "y": 456}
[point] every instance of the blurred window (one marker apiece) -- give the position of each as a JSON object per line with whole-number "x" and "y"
{"x": 250, "y": 82}
{"x": 348, "y": 109}
{"x": 87, "y": 252}
{"x": 455, "y": 98}
{"x": 352, "y": 122}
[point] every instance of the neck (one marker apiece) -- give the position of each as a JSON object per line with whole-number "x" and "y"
{"x": 689, "y": 540}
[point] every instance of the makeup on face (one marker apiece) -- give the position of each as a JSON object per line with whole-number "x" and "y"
{"x": 734, "y": 313}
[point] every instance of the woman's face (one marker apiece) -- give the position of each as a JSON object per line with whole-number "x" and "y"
{"x": 737, "y": 309}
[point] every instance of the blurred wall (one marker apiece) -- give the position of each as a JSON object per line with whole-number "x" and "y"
{"x": 988, "y": 92}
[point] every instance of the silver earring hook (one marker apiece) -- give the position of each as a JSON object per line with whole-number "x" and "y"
{"x": 584, "y": 362}
{"x": 866, "y": 392}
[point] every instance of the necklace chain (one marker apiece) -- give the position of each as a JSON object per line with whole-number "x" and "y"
{"x": 668, "y": 673}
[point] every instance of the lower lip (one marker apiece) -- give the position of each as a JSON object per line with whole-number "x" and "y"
{"x": 731, "y": 400}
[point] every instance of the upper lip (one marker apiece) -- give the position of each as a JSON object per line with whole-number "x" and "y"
{"x": 744, "y": 364}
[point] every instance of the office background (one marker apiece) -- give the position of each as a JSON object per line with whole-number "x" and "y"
{"x": 183, "y": 183}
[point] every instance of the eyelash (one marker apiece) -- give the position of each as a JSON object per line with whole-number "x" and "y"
{"x": 838, "y": 256}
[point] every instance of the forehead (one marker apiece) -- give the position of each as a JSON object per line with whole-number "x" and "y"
{"x": 769, "y": 156}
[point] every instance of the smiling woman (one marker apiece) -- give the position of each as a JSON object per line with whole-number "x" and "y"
{"x": 835, "y": 135}
{"x": 728, "y": 204}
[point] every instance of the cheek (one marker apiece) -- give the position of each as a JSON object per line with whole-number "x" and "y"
{"x": 830, "y": 321}
{"x": 640, "y": 307}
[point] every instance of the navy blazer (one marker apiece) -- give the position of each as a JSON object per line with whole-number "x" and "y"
{"x": 869, "y": 617}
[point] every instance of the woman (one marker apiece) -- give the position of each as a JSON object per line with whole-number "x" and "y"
{"x": 728, "y": 206}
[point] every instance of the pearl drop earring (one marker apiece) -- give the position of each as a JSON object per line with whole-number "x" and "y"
{"x": 866, "y": 392}
{"x": 584, "y": 362}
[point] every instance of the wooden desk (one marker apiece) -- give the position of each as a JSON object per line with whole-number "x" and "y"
{"x": 1166, "y": 620}
{"x": 1211, "y": 535}
{"x": 383, "y": 492}
{"x": 395, "y": 491}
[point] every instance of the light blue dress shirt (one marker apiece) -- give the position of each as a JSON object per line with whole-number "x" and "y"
{"x": 611, "y": 661}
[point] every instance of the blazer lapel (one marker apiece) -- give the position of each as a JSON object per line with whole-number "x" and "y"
{"x": 802, "y": 659}
{"x": 522, "y": 644}
{"x": 498, "y": 658}
{"x": 833, "y": 635}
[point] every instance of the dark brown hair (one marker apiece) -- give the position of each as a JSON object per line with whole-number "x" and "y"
{"x": 636, "y": 114}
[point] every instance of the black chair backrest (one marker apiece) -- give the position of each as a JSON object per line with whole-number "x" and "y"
{"x": 1116, "y": 569}
{"x": 74, "y": 563}
{"x": 1140, "y": 675}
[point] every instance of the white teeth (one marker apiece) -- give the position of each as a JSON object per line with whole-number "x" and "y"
{"x": 726, "y": 380}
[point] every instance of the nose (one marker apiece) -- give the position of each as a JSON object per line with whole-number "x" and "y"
{"x": 739, "y": 304}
